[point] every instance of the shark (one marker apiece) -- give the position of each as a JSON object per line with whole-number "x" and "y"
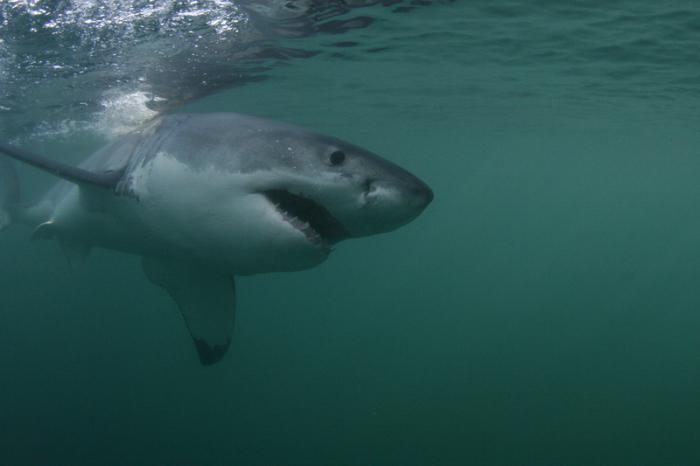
{"x": 204, "y": 198}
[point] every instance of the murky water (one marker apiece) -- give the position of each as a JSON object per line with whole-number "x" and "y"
{"x": 543, "y": 310}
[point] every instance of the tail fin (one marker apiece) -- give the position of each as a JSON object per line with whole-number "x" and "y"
{"x": 9, "y": 191}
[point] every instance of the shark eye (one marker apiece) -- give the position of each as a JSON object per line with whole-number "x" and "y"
{"x": 337, "y": 157}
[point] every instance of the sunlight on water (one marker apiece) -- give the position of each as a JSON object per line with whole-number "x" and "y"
{"x": 123, "y": 113}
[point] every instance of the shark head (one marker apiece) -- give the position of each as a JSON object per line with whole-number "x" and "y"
{"x": 331, "y": 190}
{"x": 283, "y": 193}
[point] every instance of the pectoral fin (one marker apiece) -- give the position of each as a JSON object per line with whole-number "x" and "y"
{"x": 207, "y": 301}
{"x": 77, "y": 175}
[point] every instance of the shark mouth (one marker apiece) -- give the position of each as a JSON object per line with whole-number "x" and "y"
{"x": 307, "y": 216}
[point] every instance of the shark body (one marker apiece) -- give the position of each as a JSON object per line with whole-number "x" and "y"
{"x": 206, "y": 197}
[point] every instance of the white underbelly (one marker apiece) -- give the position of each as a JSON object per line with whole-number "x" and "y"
{"x": 195, "y": 216}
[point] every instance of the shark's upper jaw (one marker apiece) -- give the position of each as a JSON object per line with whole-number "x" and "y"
{"x": 312, "y": 219}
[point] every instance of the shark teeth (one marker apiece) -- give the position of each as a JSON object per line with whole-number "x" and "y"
{"x": 312, "y": 235}
{"x": 304, "y": 227}
{"x": 307, "y": 216}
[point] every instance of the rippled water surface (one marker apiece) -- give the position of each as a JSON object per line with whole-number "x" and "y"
{"x": 543, "y": 310}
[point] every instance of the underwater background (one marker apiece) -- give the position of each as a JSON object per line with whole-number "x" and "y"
{"x": 542, "y": 311}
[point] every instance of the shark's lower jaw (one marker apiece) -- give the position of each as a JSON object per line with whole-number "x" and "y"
{"x": 310, "y": 218}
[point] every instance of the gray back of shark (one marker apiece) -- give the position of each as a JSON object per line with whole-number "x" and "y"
{"x": 205, "y": 197}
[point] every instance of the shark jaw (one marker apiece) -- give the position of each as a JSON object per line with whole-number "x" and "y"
{"x": 310, "y": 218}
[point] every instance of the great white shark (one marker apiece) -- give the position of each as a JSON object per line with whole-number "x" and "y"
{"x": 205, "y": 197}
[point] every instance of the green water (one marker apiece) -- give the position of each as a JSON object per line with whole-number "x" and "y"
{"x": 542, "y": 311}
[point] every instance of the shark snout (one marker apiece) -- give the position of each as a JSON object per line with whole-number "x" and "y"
{"x": 420, "y": 194}
{"x": 405, "y": 189}
{"x": 414, "y": 193}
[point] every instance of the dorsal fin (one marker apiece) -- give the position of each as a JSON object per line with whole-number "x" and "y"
{"x": 75, "y": 175}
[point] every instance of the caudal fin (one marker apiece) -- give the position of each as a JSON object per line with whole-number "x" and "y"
{"x": 9, "y": 192}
